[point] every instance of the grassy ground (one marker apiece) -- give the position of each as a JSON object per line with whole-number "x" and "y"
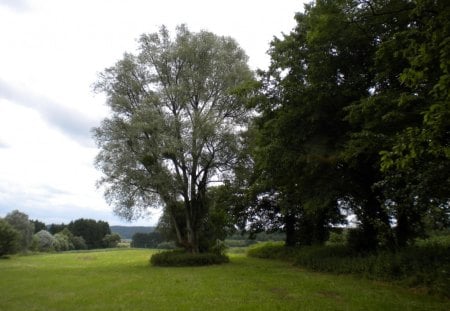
{"x": 124, "y": 280}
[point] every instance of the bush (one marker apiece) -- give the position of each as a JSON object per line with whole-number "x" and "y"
{"x": 9, "y": 239}
{"x": 62, "y": 242}
{"x": 45, "y": 241}
{"x": 271, "y": 250}
{"x": 111, "y": 240}
{"x": 337, "y": 238}
{"x": 78, "y": 242}
{"x": 219, "y": 248}
{"x": 179, "y": 258}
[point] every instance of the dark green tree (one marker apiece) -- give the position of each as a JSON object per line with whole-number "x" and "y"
{"x": 91, "y": 231}
{"x": 405, "y": 117}
{"x": 111, "y": 240}
{"x": 316, "y": 71}
{"x": 55, "y": 228}
{"x": 38, "y": 225}
{"x": 9, "y": 239}
{"x": 21, "y": 223}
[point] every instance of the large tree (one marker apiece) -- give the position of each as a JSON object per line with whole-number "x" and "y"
{"x": 176, "y": 112}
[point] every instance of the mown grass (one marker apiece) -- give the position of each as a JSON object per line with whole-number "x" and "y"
{"x": 124, "y": 280}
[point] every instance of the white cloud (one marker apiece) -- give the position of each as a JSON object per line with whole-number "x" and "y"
{"x": 51, "y": 54}
{"x": 16, "y": 5}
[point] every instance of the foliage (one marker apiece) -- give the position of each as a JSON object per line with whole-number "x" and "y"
{"x": 126, "y": 232}
{"x": 9, "y": 238}
{"x": 176, "y": 110}
{"x": 45, "y": 241}
{"x": 55, "y": 228}
{"x": 406, "y": 112}
{"x": 78, "y": 242}
{"x": 111, "y": 240}
{"x": 178, "y": 258}
{"x": 20, "y": 222}
{"x": 219, "y": 248}
{"x": 62, "y": 242}
{"x": 146, "y": 240}
{"x": 353, "y": 119}
{"x": 90, "y": 230}
{"x": 271, "y": 250}
{"x": 38, "y": 225}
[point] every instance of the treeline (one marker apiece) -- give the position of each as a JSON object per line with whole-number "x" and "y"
{"x": 148, "y": 240}
{"x": 127, "y": 232}
{"x": 20, "y": 234}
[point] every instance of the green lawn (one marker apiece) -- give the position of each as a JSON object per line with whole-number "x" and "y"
{"x": 124, "y": 280}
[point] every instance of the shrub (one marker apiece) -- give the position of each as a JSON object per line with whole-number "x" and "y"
{"x": 78, "y": 242}
{"x": 219, "y": 248}
{"x": 337, "y": 238}
{"x": 45, "y": 241}
{"x": 124, "y": 244}
{"x": 271, "y": 250}
{"x": 62, "y": 242}
{"x": 9, "y": 239}
{"x": 179, "y": 258}
{"x": 111, "y": 240}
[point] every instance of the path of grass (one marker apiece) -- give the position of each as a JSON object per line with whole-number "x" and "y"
{"x": 124, "y": 280}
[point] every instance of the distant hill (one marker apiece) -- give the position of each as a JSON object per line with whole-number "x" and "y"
{"x": 126, "y": 232}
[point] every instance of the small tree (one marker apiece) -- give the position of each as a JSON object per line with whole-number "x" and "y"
{"x": 111, "y": 240}
{"x": 45, "y": 241}
{"x": 62, "y": 242}
{"x": 9, "y": 238}
{"x": 78, "y": 243}
{"x": 38, "y": 225}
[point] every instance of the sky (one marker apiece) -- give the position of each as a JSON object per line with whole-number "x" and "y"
{"x": 51, "y": 52}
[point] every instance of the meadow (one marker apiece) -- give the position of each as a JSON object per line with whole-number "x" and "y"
{"x": 124, "y": 280}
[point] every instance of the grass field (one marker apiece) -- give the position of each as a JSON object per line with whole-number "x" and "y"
{"x": 124, "y": 280}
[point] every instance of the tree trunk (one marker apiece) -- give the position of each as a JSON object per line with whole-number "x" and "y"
{"x": 375, "y": 225}
{"x": 191, "y": 229}
{"x": 289, "y": 221}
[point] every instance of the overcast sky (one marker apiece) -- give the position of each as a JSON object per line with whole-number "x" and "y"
{"x": 51, "y": 52}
